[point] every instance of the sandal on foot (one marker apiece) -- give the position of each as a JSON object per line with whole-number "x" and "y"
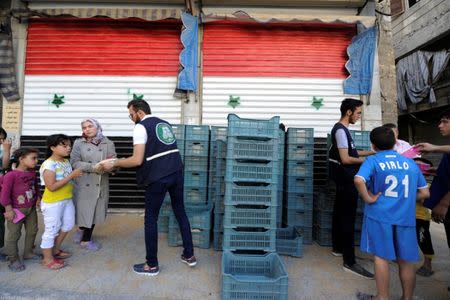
{"x": 33, "y": 256}
{"x": 16, "y": 266}
{"x": 55, "y": 264}
{"x": 77, "y": 236}
{"x": 90, "y": 246}
{"x": 61, "y": 254}
{"x": 422, "y": 271}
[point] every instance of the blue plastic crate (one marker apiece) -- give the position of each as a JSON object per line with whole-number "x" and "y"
{"x": 166, "y": 207}
{"x": 243, "y": 239}
{"x": 218, "y": 240}
{"x": 194, "y": 195}
{"x": 237, "y": 171}
{"x": 323, "y": 201}
{"x": 163, "y": 223}
{"x": 236, "y": 194}
{"x": 300, "y": 136}
{"x": 218, "y": 221}
{"x": 295, "y": 217}
{"x": 219, "y": 203}
{"x": 323, "y": 219}
{"x": 200, "y": 237}
{"x": 252, "y": 128}
{"x": 307, "y": 234}
{"x": 282, "y": 136}
{"x": 299, "y": 184}
{"x": 197, "y": 133}
{"x": 361, "y": 139}
{"x": 195, "y": 179}
{"x": 255, "y": 277}
{"x": 290, "y": 241}
{"x": 299, "y": 168}
{"x": 299, "y": 201}
{"x": 300, "y": 152}
{"x": 179, "y": 131}
{"x": 322, "y": 236}
{"x": 252, "y": 149}
{"x": 196, "y": 148}
{"x": 194, "y": 163}
{"x": 219, "y": 133}
{"x": 199, "y": 216}
{"x": 236, "y": 216}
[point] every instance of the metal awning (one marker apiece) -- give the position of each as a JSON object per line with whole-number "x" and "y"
{"x": 209, "y": 15}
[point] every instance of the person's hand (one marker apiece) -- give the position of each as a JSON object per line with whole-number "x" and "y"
{"x": 9, "y": 215}
{"x": 439, "y": 212}
{"x": 372, "y": 198}
{"x": 108, "y": 164}
{"x": 7, "y": 144}
{"x": 76, "y": 173}
{"x": 425, "y": 147}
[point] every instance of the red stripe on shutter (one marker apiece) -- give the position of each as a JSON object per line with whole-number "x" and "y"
{"x": 278, "y": 50}
{"x": 102, "y": 47}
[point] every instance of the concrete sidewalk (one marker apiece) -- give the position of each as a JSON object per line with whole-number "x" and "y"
{"x": 107, "y": 274}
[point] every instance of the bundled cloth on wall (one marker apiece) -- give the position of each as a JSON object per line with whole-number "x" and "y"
{"x": 361, "y": 53}
{"x": 8, "y": 84}
{"x": 416, "y": 75}
{"x": 187, "y": 78}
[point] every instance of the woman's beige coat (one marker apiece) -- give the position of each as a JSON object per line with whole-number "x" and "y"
{"x": 91, "y": 191}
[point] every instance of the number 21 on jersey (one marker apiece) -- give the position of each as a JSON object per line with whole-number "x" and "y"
{"x": 392, "y": 190}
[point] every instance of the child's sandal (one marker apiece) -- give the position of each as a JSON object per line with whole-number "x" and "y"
{"x": 61, "y": 254}
{"x": 55, "y": 264}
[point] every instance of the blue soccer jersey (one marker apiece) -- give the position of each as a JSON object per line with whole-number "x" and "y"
{"x": 397, "y": 178}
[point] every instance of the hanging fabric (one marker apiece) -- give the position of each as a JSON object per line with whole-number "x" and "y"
{"x": 187, "y": 78}
{"x": 361, "y": 53}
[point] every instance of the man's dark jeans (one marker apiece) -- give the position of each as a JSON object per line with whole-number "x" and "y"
{"x": 154, "y": 197}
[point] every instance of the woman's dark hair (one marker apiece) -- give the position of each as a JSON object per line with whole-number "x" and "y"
{"x": 22, "y": 152}
{"x": 55, "y": 140}
{"x": 383, "y": 138}
{"x": 3, "y": 133}
{"x": 140, "y": 105}
{"x": 350, "y": 104}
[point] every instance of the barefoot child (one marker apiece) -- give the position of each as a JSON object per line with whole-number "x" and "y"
{"x": 389, "y": 226}
{"x": 57, "y": 206}
{"x": 20, "y": 194}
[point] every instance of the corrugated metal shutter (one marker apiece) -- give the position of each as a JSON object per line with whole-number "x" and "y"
{"x": 97, "y": 64}
{"x": 275, "y": 69}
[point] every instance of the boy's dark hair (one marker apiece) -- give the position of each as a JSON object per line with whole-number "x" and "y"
{"x": 140, "y": 105}
{"x": 445, "y": 114}
{"x": 383, "y": 138}
{"x": 55, "y": 140}
{"x": 390, "y": 125}
{"x": 22, "y": 152}
{"x": 3, "y": 133}
{"x": 350, "y": 104}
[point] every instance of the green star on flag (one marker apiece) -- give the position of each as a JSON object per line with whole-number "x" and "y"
{"x": 317, "y": 102}
{"x": 58, "y": 100}
{"x": 234, "y": 101}
{"x": 138, "y": 97}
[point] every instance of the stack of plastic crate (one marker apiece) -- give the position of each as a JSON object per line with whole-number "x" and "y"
{"x": 281, "y": 178}
{"x": 251, "y": 196}
{"x": 298, "y": 206}
{"x": 362, "y": 142}
{"x": 166, "y": 208}
{"x": 196, "y": 150}
{"x": 323, "y": 215}
{"x": 219, "y": 193}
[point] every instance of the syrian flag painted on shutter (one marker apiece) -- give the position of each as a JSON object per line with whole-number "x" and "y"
{"x": 275, "y": 69}
{"x": 96, "y": 65}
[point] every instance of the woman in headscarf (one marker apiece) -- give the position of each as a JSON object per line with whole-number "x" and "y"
{"x": 91, "y": 192}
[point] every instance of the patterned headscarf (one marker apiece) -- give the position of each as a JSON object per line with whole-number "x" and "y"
{"x": 98, "y": 138}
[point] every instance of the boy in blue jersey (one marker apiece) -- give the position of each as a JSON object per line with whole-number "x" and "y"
{"x": 395, "y": 184}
